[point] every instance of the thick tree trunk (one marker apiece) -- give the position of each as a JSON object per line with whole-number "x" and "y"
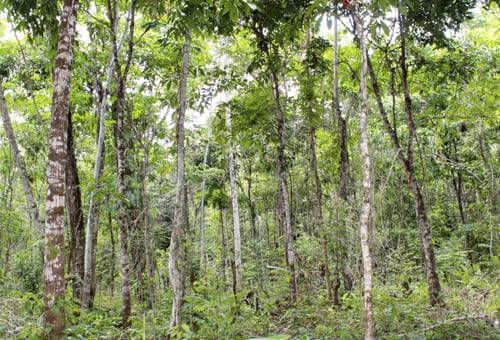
{"x": 21, "y": 166}
{"x": 75, "y": 217}
{"x": 235, "y": 207}
{"x": 365, "y": 223}
{"x": 180, "y": 226}
{"x": 53, "y": 271}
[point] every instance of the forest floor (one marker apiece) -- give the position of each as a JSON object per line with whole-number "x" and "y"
{"x": 471, "y": 312}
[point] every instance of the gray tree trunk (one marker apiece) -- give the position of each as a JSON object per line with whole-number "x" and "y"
{"x": 365, "y": 222}
{"x": 21, "y": 166}
{"x": 177, "y": 265}
{"x": 92, "y": 218}
{"x": 234, "y": 203}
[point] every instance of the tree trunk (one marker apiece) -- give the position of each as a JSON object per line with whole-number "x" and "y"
{"x": 234, "y": 203}
{"x": 21, "y": 166}
{"x": 425, "y": 229}
{"x": 344, "y": 159}
{"x": 365, "y": 222}
{"x": 203, "y": 255}
{"x": 421, "y": 212}
{"x": 92, "y": 218}
{"x": 181, "y": 224}
{"x": 54, "y": 224}
{"x": 113, "y": 254}
{"x": 285, "y": 203}
{"x": 75, "y": 217}
{"x": 341, "y": 121}
{"x": 223, "y": 246}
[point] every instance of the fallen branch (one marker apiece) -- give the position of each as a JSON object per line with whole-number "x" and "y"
{"x": 470, "y": 318}
{"x": 461, "y": 318}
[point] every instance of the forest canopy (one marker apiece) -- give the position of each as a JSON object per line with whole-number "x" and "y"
{"x": 249, "y": 169}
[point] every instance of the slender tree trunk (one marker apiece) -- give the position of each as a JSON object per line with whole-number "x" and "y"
{"x": 223, "y": 246}
{"x": 75, "y": 217}
{"x": 92, "y": 218}
{"x": 365, "y": 223}
{"x": 54, "y": 224}
{"x": 317, "y": 192}
{"x": 181, "y": 224}
{"x": 21, "y": 166}
{"x": 203, "y": 255}
{"x": 234, "y": 203}
{"x": 425, "y": 228}
{"x": 344, "y": 160}
{"x": 285, "y": 203}
{"x": 341, "y": 121}
{"x": 112, "y": 260}
{"x": 420, "y": 208}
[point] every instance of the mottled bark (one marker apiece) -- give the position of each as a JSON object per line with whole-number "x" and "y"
{"x": 75, "y": 217}
{"x": 235, "y": 206}
{"x": 365, "y": 221}
{"x": 21, "y": 166}
{"x": 53, "y": 272}
{"x": 180, "y": 226}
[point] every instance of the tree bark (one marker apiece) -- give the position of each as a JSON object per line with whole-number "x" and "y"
{"x": 21, "y": 166}
{"x": 414, "y": 187}
{"x": 203, "y": 255}
{"x": 281, "y": 165}
{"x": 122, "y": 144}
{"x": 76, "y": 220}
{"x": 425, "y": 229}
{"x": 365, "y": 222}
{"x": 344, "y": 158}
{"x": 235, "y": 207}
{"x": 181, "y": 224}
{"x": 54, "y": 224}
{"x": 92, "y": 218}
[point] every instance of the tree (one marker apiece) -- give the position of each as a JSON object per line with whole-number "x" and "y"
{"x": 234, "y": 204}
{"x": 54, "y": 217}
{"x": 365, "y": 220}
{"x": 181, "y": 224}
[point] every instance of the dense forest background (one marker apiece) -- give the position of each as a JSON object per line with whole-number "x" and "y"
{"x": 235, "y": 169}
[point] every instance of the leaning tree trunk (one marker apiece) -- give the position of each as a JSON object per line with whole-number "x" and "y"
{"x": 180, "y": 226}
{"x": 54, "y": 223}
{"x": 234, "y": 203}
{"x": 75, "y": 217}
{"x": 21, "y": 165}
{"x": 365, "y": 221}
{"x": 423, "y": 221}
